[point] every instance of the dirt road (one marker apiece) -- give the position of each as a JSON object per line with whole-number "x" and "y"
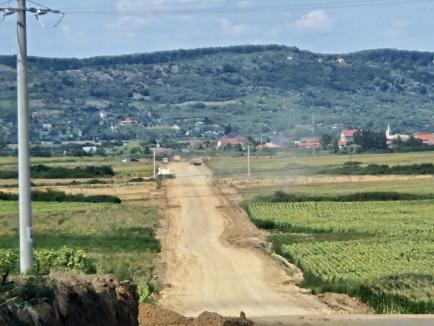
{"x": 208, "y": 268}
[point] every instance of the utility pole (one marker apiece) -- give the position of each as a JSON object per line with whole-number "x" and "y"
{"x": 248, "y": 161}
{"x": 154, "y": 163}
{"x": 25, "y": 200}
{"x": 313, "y": 134}
{"x": 24, "y": 177}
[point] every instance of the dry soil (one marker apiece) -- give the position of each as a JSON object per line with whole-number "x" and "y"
{"x": 207, "y": 272}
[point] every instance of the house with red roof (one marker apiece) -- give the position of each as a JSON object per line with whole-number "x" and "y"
{"x": 307, "y": 143}
{"x": 231, "y": 141}
{"x": 268, "y": 145}
{"x": 426, "y": 137}
{"x": 128, "y": 122}
{"x": 347, "y": 137}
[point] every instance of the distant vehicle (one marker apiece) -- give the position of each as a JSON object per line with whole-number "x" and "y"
{"x": 163, "y": 172}
{"x": 165, "y": 160}
{"x": 126, "y": 160}
{"x": 196, "y": 161}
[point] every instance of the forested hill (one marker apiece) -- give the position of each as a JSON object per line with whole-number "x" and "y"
{"x": 240, "y": 90}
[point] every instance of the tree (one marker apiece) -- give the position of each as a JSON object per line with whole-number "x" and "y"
{"x": 228, "y": 129}
{"x": 325, "y": 140}
{"x": 370, "y": 140}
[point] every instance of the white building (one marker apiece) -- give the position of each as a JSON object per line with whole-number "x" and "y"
{"x": 391, "y": 137}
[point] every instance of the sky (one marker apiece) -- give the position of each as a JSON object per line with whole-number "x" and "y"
{"x": 112, "y": 27}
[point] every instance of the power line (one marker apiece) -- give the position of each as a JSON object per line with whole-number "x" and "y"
{"x": 38, "y": 4}
{"x": 239, "y": 9}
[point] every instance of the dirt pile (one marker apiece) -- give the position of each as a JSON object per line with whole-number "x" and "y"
{"x": 342, "y": 303}
{"x": 150, "y": 315}
{"x": 70, "y": 299}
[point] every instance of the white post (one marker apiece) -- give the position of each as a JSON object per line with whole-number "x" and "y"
{"x": 248, "y": 161}
{"x": 153, "y": 150}
{"x": 313, "y": 135}
{"x": 25, "y": 201}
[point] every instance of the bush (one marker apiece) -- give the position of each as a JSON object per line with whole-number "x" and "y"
{"x": 382, "y": 169}
{"x": 143, "y": 291}
{"x": 352, "y": 163}
{"x": 8, "y": 175}
{"x": 282, "y": 197}
{"x": 41, "y": 171}
{"x": 137, "y": 180}
{"x": 45, "y": 261}
{"x": 47, "y": 172}
{"x": 60, "y": 196}
{"x": 65, "y": 257}
{"x": 8, "y": 263}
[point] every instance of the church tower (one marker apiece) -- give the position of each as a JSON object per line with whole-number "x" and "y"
{"x": 388, "y": 131}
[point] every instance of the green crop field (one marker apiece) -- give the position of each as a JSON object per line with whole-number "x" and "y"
{"x": 382, "y": 252}
{"x": 392, "y": 218}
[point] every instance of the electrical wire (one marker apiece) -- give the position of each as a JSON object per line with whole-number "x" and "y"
{"x": 41, "y": 22}
{"x": 37, "y": 4}
{"x": 36, "y": 11}
{"x": 239, "y": 9}
{"x": 46, "y": 10}
{"x": 6, "y": 12}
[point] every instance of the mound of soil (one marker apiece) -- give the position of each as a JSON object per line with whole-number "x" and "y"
{"x": 343, "y": 303}
{"x": 75, "y": 300}
{"x": 150, "y": 315}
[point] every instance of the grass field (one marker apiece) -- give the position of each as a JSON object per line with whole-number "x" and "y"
{"x": 119, "y": 237}
{"x": 379, "y": 251}
{"x": 120, "y": 185}
{"x": 297, "y": 164}
{"x": 323, "y": 185}
{"x": 135, "y": 169}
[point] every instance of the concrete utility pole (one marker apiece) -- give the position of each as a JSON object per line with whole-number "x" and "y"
{"x": 248, "y": 161}
{"x": 155, "y": 165}
{"x": 25, "y": 200}
{"x": 313, "y": 134}
{"x": 24, "y": 181}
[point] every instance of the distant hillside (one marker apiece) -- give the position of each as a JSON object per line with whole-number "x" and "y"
{"x": 241, "y": 90}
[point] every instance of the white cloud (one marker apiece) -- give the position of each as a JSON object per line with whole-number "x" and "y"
{"x": 230, "y": 28}
{"x": 316, "y": 20}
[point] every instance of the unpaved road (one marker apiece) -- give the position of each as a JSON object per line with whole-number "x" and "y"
{"x": 211, "y": 264}
{"x": 206, "y": 272}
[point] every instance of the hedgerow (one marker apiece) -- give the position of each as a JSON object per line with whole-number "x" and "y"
{"x": 59, "y": 196}
{"x": 42, "y": 171}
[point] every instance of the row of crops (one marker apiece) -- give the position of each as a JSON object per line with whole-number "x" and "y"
{"x": 394, "y": 218}
{"x": 389, "y": 264}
